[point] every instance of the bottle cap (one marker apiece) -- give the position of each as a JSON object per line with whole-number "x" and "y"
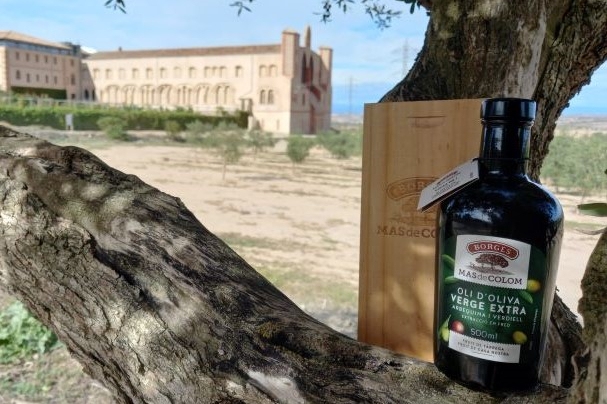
{"x": 508, "y": 109}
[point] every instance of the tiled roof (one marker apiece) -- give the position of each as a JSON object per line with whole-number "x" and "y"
{"x": 215, "y": 51}
{"x": 19, "y": 37}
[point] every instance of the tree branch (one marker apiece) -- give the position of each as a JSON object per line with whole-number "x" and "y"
{"x": 159, "y": 310}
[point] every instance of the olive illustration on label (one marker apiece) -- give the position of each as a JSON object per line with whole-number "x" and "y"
{"x": 533, "y": 285}
{"x": 449, "y": 280}
{"x": 458, "y": 326}
{"x": 443, "y": 331}
{"x": 519, "y": 337}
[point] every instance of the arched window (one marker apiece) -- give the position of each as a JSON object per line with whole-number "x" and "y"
{"x": 163, "y": 73}
{"x": 238, "y": 71}
{"x": 108, "y": 74}
{"x": 177, "y": 72}
{"x": 226, "y": 95}
{"x": 218, "y": 94}
{"x": 86, "y": 94}
{"x": 18, "y": 74}
{"x": 222, "y": 71}
{"x": 273, "y": 70}
{"x": 121, "y": 74}
{"x": 192, "y": 72}
{"x": 262, "y": 97}
{"x": 95, "y": 73}
{"x": 135, "y": 74}
{"x": 263, "y": 71}
{"x": 270, "y": 96}
{"x": 149, "y": 74}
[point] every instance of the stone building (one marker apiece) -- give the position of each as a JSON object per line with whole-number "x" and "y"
{"x": 34, "y": 66}
{"x": 285, "y": 86}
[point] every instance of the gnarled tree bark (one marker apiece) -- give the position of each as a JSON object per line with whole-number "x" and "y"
{"x": 161, "y": 311}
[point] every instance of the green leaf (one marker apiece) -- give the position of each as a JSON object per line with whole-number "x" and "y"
{"x": 450, "y": 280}
{"x": 526, "y": 295}
{"x": 448, "y": 261}
{"x": 593, "y": 209}
{"x": 443, "y": 331}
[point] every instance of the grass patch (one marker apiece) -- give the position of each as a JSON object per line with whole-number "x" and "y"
{"x": 305, "y": 289}
{"x": 238, "y": 240}
{"x": 574, "y": 225}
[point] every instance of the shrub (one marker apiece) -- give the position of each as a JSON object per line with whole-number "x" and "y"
{"x": 342, "y": 145}
{"x": 47, "y": 112}
{"x": 22, "y": 335}
{"x": 259, "y": 140}
{"x": 113, "y": 127}
{"x": 298, "y": 148}
{"x": 173, "y": 130}
{"x": 197, "y": 132}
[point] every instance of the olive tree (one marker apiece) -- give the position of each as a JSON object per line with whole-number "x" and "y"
{"x": 162, "y": 311}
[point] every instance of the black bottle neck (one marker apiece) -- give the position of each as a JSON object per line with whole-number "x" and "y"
{"x": 505, "y": 148}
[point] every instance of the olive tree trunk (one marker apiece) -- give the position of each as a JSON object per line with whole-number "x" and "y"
{"x": 161, "y": 311}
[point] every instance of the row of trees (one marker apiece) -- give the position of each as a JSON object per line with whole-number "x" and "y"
{"x": 230, "y": 140}
{"x": 577, "y": 163}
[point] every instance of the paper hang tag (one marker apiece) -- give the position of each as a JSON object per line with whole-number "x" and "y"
{"x": 455, "y": 179}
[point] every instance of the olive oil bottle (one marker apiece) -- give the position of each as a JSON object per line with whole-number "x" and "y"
{"x": 498, "y": 244}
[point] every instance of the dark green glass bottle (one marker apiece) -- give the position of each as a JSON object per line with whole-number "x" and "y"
{"x": 498, "y": 244}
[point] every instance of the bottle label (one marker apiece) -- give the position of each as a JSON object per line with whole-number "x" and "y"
{"x": 490, "y": 298}
{"x": 446, "y": 185}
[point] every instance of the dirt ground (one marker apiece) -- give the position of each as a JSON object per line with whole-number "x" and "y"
{"x": 315, "y": 206}
{"x": 297, "y": 225}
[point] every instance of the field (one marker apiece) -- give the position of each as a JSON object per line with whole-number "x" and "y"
{"x": 298, "y": 225}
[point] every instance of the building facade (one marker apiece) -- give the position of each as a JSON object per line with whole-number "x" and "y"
{"x": 286, "y": 87}
{"x": 34, "y": 66}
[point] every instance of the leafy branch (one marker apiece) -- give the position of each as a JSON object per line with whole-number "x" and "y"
{"x": 242, "y": 6}
{"x": 116, "y": 5}
{"x": 381, "y": 14}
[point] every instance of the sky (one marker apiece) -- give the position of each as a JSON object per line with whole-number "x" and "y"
{"x": 367, "y": 61}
